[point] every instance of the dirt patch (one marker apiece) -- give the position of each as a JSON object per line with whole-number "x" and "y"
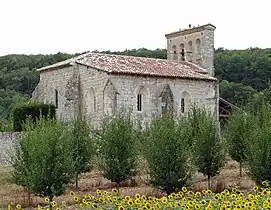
{"x": 89, "y": 182}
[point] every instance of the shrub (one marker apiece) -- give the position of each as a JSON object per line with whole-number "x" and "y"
{"x": 117, "y": 148}
{"x": 6, "y": 125}
{"x": 167, "y": 153}
{"x": 208, "y": 148}
{"x": 33, "y": 111}
{"x": 258, "y": 149}
{"x": 43, "y": 161}
{"x": 82, "y": 147}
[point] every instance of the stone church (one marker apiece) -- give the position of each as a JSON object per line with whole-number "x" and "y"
{"x": 100, "y": 84}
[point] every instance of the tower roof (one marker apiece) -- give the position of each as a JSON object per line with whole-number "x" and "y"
{"x": 183, "y": 32}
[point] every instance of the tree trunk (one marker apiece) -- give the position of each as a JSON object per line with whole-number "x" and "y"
{"x": 76, "y": 181}
{"x": 28, "y": 197}
{"x": 209, "y": 182}
{"x": 50, "y": 200}
{"x": 240, "y": 169}
{"x": 118, "y": 188}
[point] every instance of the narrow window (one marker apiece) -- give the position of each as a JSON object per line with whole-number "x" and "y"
{"x": 139, "y": 102}
{"x": 56, "y": 98}
{"x": 182, "y": 105}
{"x": 182, "y": 53}
{"x": 94, "y": 104}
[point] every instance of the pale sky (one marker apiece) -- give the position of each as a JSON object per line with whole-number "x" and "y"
{"x": 51, "y": 26}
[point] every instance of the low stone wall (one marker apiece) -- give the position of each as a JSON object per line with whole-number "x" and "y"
{"x": 7, "y": 142}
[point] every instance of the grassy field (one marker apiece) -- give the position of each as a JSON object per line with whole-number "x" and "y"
{"x": 89, "y": 182}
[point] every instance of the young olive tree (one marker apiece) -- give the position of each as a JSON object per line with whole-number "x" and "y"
{"x": 237, "y": 132}
{"x": 43, "y": 159}
{"x": 167, "y": 153}
{"x": 82, "y": 147}
{"x": 117, "y": 148}
{"x": 208, "y": 148}
{"x": 258, "y": 145}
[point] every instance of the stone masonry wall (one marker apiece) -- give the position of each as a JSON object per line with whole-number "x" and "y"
{"x": 92, "y": 85}
{"x": 79, "y": 87}
{"x": 7, "y": 142}
{"x": 65, "y": 82}
{"x": 201, "y": 92}
{"x": 97, "y": 93}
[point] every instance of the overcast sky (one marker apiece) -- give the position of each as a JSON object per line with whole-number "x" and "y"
{"x": 50, "y": 26}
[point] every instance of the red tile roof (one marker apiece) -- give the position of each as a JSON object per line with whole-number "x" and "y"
{"x": 120, "y": 64}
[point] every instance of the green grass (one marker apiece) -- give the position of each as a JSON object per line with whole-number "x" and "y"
{"x": 5, "y": 174}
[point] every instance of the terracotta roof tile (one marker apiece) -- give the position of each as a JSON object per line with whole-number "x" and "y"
{"x": 120, "y": 64}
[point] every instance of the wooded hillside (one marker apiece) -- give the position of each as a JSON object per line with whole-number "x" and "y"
{"x": 244, "y": 74}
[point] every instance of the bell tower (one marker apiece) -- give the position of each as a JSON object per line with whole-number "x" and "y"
{"x": 195, "y": 44}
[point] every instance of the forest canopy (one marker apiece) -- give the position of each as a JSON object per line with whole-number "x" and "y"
{"x": 244, "y": 75}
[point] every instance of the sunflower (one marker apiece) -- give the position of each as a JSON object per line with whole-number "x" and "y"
{"x": 46, "y": 200}
{"x": 130, "y": 203}
{"x": 203, "y": 202}
{"x": 147, "y": 206}
{"x": 72, "y": 193}
{"x": 137, "y": 196}
{"x": 99, "y": 192}
{"x": 264, "y": 192}
{"x": 255, "y": 188}
{"x": 94, "y": 205}
{"x": 164, "y": 200}
{"x": 209, "y": 192}
{"x": 127, "y": 198}
{"x": 54, "y": 204}
{"x": 75, "y": 198}
{"x": 170, "y": 197}
{"x": 121, "y": 207}
{"x": 18, "y": 206}
{"x": 64, "y": 203}
{"x": 184, "y": 189}
{"x": 178, "y": 204}
{"x": 157, "y": 206}
{"x": 137, "y": 201}
{"x": 197, "y": 206}
{"x": 144, "y": 197}
{"x": 198, "y": 194}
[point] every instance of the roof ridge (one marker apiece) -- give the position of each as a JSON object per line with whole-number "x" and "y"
{"x": 133, "y": 56}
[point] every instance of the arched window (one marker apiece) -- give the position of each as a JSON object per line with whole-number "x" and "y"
{"x": 185, "y": 102}
{"x": 91, "y": 101}
{"x": 142, "y": 99}
{"x": 190, "y": 47}
{"x": 166, "y": 99}
{"x": 198, "y": 45}
{"x": 110, "y": 99}
{"x": 175, "y": 55}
